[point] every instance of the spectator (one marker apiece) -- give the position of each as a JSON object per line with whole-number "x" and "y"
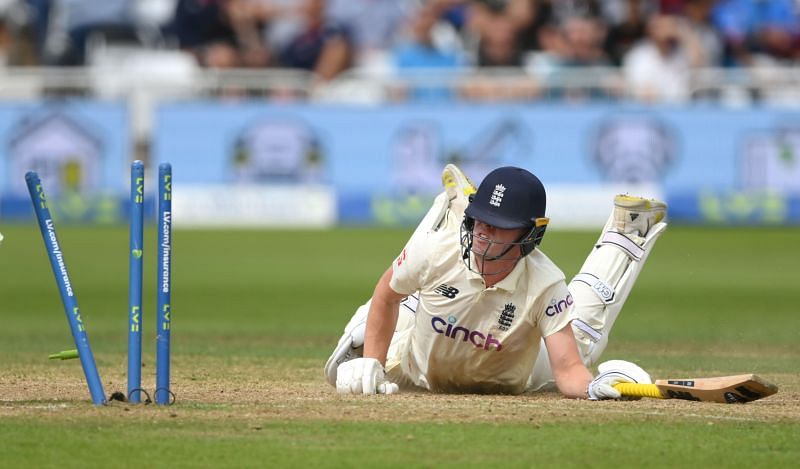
{"x": 758, "y": 31}
{"x": 361, "y": 33}
{"x": 540, "y": 20}
{"x": 657, "y": 68}
{"x": 584, "y": 38}
{"x": 498, "y": 43}
{"x": 419, "y": 51}
{"x": 576, "y": 42}
{"x": 70, "y": 24}
{"x": 497, "y": 24}
{"x": 303, "y": 47}
{"x": 561, "y": 10}
{"x": 5, "y": 39}
{"x": 220, "y": 33}
{"x": 553, "y": 48}
{"x": 540, "y": 17}
{"x": 26, "y": 23}
{"x": 282, "y": 19}
{"x": 626, "y": 20}
{"x": 699, "y": 20}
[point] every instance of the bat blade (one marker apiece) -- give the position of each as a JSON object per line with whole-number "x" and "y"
{"x": 724, "y": 389}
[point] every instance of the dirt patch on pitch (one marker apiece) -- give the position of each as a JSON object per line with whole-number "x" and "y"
{"x": 281, "y": 389}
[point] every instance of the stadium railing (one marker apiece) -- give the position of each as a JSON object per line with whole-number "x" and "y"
{"x": 144, "y": 81}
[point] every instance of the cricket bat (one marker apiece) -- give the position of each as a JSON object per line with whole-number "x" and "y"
{"x": 725, "y": 389}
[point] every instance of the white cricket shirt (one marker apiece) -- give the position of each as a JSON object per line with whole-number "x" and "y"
{"x": 466, "y": 337}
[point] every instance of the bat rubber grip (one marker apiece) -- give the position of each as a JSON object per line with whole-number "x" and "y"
{"x": 638, "y": 390}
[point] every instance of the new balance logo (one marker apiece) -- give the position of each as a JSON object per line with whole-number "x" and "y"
{"x": 446, "y": 291}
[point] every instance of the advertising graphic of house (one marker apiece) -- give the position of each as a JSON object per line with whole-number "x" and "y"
{"x": 66, "y": 155}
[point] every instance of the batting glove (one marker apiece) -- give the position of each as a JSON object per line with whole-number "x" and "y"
{"x": 363, "y": 376}
{"x": 611, "y": 373}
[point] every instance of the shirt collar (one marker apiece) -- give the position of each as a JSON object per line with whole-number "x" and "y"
{"x": 509, "y": 283}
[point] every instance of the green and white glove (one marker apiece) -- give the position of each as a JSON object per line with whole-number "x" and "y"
{"x": 612, "y": 372}
{"x": 363, "y": 376}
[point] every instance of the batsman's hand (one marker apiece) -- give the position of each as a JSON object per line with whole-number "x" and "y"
{"x": 363, "y": 376}
{"x": 613, "y": 372}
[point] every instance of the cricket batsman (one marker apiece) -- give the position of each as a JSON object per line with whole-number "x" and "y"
{"x": 472, "y": 305}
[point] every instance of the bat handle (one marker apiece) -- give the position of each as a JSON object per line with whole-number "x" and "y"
{"x": 638, "y": 390}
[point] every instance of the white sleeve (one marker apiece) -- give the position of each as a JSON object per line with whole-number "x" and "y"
{"x": 411, "y": 266}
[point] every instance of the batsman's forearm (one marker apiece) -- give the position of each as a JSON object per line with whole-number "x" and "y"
{"x": 574, "y": 381}
{"x": 571, "y": 375}
{"x": 381, "y": 322}
{"x": 382, "y": 319}
{"x": 578, "y": 388}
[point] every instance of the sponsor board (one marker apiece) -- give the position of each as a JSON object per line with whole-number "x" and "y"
{"x": 286, "y": 206}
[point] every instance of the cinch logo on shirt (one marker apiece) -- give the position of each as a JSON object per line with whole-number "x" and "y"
{"x": 558, "y": 306}
{"x": 478, "y": 339}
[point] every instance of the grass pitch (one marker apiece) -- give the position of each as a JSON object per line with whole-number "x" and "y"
{"x": 255, "y": 314}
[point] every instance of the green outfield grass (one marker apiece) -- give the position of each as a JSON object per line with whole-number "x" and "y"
{"x": 255, "y": 314}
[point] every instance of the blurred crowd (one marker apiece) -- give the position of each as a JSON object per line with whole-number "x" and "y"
{"x": 656, "y": 43}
